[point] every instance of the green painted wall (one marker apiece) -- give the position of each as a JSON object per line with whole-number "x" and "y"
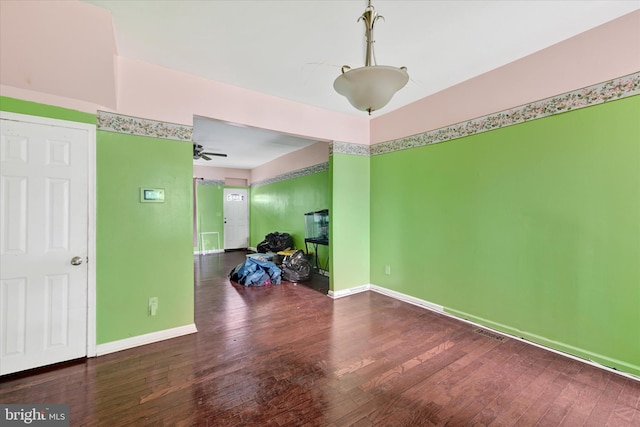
{"x": 210, "y": 216}
{"x": 281, "y": 207}
{"x": 533, "y": 229}
{"x": 350, "y": 224}
{"x": 144, "y": 249}
{"x": 41, "y": 110}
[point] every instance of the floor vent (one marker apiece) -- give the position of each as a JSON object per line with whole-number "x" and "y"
{"x": 490, "y": 334}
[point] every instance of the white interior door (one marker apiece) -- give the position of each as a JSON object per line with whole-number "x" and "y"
{"x": 43, "y": 244}
{"x": 236, "y": 218}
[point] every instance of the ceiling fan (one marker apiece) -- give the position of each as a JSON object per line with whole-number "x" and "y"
{"x": 199, "y": 153}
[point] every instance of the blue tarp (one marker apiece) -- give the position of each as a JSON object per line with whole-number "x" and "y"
{"x": 255, "y": 272}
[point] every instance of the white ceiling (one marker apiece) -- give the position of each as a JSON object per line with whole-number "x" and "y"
{"x": 245, "y": 147}
{"x": 295, "y": 49}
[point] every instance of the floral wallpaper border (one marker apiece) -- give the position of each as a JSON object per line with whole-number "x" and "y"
{"x": 611, "y": 90}
{"x": 321, "y": 167}
{"x": 592, "y": 95}
{"x": 112, "y": 122}
{"x": 349, "y": 148}
{"x": 210, "y": 182}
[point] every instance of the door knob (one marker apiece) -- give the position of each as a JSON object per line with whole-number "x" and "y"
{"x": 76, "y": 260}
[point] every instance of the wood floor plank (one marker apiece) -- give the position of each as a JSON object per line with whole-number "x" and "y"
{"x": 288, "y": 355}
{"x": 582, "y": 407}
{"x": 630, "y": 393}
{"x": 511, "y": 402}
{"x": 605, "y": 405}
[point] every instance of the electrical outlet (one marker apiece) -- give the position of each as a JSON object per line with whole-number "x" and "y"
{"x": 153, "y": 306}
{"x": 387, "y": 270}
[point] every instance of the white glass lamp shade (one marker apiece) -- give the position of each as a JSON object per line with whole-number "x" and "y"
{"x": 370, "y": 88}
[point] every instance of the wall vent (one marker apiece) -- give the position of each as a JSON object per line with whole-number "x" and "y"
{"x": 490, "y": 334}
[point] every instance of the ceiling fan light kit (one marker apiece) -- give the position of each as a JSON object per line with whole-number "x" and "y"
{"x": 371, "y": 87}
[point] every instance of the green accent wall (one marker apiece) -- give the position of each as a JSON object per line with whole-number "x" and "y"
{"x": 281, "y": 207}
{"x": 42, "y": 110}
{"x": 210, "y": 216}
{"x": 144, "y": 249}
{"x": 533, "y": 229}
{"x": 349, "y": 221}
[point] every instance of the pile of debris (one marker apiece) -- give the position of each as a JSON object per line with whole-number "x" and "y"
{"x": 275, "y": 242}
{"x": 259, "y": 269}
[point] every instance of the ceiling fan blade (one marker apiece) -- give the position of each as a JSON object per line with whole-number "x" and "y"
{"x": 216, "y": 154}
{"x": 203, "y": 156}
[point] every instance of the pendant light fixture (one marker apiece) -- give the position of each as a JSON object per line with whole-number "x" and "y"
{"x": 371, "y": 87}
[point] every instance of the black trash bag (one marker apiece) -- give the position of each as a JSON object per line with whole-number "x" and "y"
{"x": 263, "y": 247}
{"x": 296, "y": 267}
{"x": 275, "y": 242}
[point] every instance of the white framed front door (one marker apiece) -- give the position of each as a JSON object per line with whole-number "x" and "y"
{"x": 47, "y": 241}
{"x": 236, "y": 218}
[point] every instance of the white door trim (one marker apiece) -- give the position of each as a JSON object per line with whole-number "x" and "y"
{"x": 91, "y": 211}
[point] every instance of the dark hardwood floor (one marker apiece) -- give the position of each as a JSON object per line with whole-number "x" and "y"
{"x": 289, "y": 355}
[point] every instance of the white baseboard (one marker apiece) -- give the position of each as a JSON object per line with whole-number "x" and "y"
{"x": 408, "y": 298}
{"x": 350, "y": 291}
{"x": 113, "y": 346}
{"x": 252, "y": 249}
{"x": 486, "y": 325}
{"x": 213, "y": 251}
